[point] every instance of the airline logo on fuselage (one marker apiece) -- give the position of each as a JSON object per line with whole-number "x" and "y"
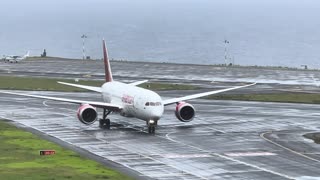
{"x": 127, "y": 99}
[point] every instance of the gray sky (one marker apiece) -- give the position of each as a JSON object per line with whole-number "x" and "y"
{"x": 164, "y": 29}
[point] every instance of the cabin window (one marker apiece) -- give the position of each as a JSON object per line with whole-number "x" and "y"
{"x": 147, "y": 103}
{"x": 152, "y": 104}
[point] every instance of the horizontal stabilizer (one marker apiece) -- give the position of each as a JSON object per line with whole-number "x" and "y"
{"x": 138, "y": 82}
{"x": 91, "y": 88}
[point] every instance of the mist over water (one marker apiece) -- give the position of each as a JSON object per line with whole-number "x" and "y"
{"x": 265, "y": 32}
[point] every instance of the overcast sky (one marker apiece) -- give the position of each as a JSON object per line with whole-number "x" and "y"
{"x": 163, "y": 29}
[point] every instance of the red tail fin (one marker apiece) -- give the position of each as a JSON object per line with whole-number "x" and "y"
{"x": 107, "y": 67}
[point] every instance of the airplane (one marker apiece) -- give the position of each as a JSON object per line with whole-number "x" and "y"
{"x": 15, "y": 58}
{"x": 128, "y": 100}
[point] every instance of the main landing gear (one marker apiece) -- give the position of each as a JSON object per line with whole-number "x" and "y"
{"x": 152, "y": 126}
{"x": 104, "y": 123}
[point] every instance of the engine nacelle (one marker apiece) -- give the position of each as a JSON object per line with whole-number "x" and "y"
{"x": 87, "y": 114}
{"x": 185, "y": 112}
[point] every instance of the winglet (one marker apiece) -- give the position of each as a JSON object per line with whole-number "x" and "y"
{"x": 107, "y": 68}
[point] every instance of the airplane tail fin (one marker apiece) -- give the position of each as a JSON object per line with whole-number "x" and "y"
{"x": 108, "y": 73}
{"x": 27, "y": 55}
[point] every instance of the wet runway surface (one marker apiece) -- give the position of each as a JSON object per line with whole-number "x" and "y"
{"x": 227, "y": 139}
{"x": 160, "y": 71}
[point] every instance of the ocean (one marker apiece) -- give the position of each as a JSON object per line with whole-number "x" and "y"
{"x": 251, "y": 32}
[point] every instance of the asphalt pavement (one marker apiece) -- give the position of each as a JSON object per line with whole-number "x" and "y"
{"x": 226, "y": 140}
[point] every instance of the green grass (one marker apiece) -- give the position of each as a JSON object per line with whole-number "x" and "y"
{"x": 20, "y": 159}
{"x": 50, "y": 84}
{"x": 313, "y": 136}
{"x": 276, "y": 97}
{"x": 42, "y": 84}
{"x": 167, "y": 86}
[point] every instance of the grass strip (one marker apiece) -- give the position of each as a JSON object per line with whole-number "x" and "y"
{"x": 167, "y": 86}
{"x": 20, "y": 159}
{"x": 272, "y": 97}
{"x": 313, "y": 136}
{"x": 50, "y": 84}
{"x": 42, "y": 84}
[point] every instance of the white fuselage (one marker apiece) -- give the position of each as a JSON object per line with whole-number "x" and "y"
{"x": 13, "y": 59}
{"x": 136, "y": 102}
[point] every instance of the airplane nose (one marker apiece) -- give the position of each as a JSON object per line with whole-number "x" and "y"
{"x": 156, "y": 114}
{"x": 156, "y": 118}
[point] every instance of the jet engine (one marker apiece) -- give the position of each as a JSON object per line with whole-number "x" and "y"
{"x": 87, "y": 114}
{"x": 185, "y": 112}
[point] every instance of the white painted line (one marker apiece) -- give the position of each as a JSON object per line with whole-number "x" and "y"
{"x": 248, "y": 154}
{"x": 214, "y": 129}
{"x": 283, "y": 147}
{"x": 173, "y": 156}
{"x": 232, "y": 159}
{"x": 254, "y": 166}
{"x": 45, "y": 103}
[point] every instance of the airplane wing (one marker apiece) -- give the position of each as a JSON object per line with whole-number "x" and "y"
{"x": 91, "y": 88}
{"x": 108, "y": 106}
{"x": 194, "y": 96}
{"x": 138, "y": 82}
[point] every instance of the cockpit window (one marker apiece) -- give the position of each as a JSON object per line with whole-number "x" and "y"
{"x": 153, "y": 104}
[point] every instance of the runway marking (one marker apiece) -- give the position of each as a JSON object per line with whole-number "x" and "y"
{"x": 155, "y": 160}
{"x": 173, "y": 156}
{"x": 221, "y": 131}
{"x": 45, "y": 103}
{"x": 244, "y": 154}
{"x": 183, "y": 171}
{"x": 74, "y": 144}
{"x": 316, "y": 153}
{"x": 63, "y": 114}
{"x": 231, "y": 159}
{"x": 262, "y": 135}
{"x": 127, "y": 164}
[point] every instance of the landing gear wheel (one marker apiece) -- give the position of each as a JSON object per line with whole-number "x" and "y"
{"x": 152, "y": 126}
{"x": 104, "y": 123}
{"x": 151, "y": 129}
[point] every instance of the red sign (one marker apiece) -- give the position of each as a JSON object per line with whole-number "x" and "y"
{"x": 47, "y": 152}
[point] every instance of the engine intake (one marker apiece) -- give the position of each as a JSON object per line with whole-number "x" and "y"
{"x": 185, "y": 112}
{"x": 87, "y": 114}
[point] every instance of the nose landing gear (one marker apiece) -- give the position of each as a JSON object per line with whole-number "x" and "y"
{"x": 104, "y": 123}
{"x": 152, "y": 126}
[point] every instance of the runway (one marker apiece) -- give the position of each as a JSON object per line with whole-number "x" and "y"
{"x": 227, "y": 139}
{"x": 205, "y": 77}
{"x": 124, "y": 70}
